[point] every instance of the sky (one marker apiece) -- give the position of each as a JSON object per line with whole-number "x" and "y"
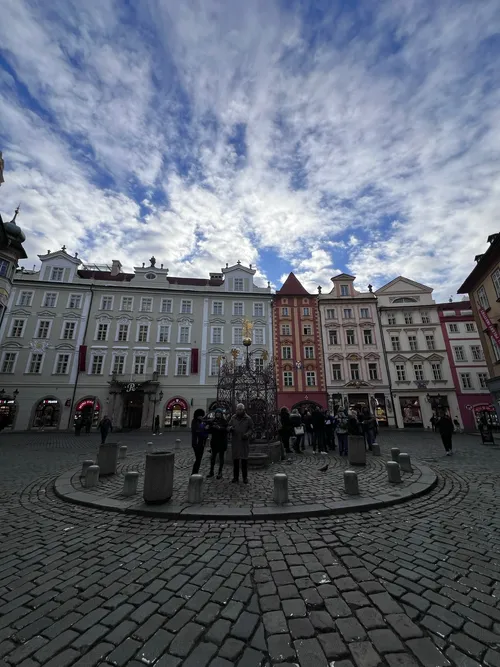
{"x": 314, "y": 136}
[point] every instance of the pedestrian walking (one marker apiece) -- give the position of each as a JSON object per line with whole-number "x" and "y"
{"x": 199, "y": 436}
{"x": 88, "y": 425}
{"x": 218, "y": 442}
{"x": 308, "y": 430}
{"x": 318, "y": 434}
{"x": 241, "y": 428}
{"x": 298, "y": 431}
{"x": 157, "y": 425}
{"x": 105, "y": 427}
{"x": 285, "y": 430}
{"x": 78, "y": 425}
{"x": 329, "y": 431}
{"x": 445, "y": 427}
{"x": 342, "y": 432}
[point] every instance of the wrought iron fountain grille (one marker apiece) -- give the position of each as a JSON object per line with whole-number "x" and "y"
{"x": 254, "y": 385}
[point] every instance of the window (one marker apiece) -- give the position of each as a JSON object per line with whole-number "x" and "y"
{"x": 163, "y": 333}
{"x": 395, "y": 343}
{"x": 436, "y": 371}
{"x": 127, "y": 303}
{"x": 102, "y": 331}
{"x": 258, "y": 364}
{"x": 43, "y": 329}
{"x": 418, "y": 369}
{"x": 465, "y": 381}
{"x": 307, "y": 329}
{"x": 49, "y": 300}
{"x": 216, "y": 335}
{"x": 4, "y": 267}
{"x": 57, "y": 274}
{"x": 354, "y": 371}
{"x": 482, "y": 377}
{"x": 344, "y": 290}
{"x": 306, "y": 312}
{"x": 258, "y": 310}
{"x": 214, "y": 365}
{"x": 107, "y": 303}
{"x": 412, "y": 340}
{"x": 150, "y": 276}
{"x": 477, "y": 352}
{"x": 62, "y": 364}
{"x": 139, "y": 364}
{"x": 182, "y": 365}
{"x": 146, "y": 304}
{"x": 184, "y": 334}
{"x": 286, "y": 352}
{"x": 238, "y": 308}
{"x": 364, "y": 313}
{"x": 429, "y": 339}
{"x": 459, "y": 353}
{"x": 143, "y": 333}
{"x": 453, "y": 327}
{"x": 16, "y": 331}
{"x": 161, "y": 364}
{"x": 97, "y": 364}
{"x": 470, "y": 327}
{"x": 333, "y": 337}
{"x": 68, "y": 332}
{"x": 9, "y": 362}
{"x": 408, "y": 318}
{"x": 309, "y": 352}
{"x": 285, "y": 330}
{"x": 238, "y": 285}
{"x": 258, "y": 336}
{"x": 373, "y": 371}
{"x": 217, "y": 308}
{"x": 75, "y": 301}
{"x": 350, "y": 337}
{"x": 391, "y": 319}
{"x": 495, "y": 277}
{"x": 424, "y": 316}
{"x": 288, "y": 378}
{"x": 122, "y": 332}
{"x": 330, "y": 313}
{"x": 348, "y": 314}
{"x": 285, "y": 312}
{"x": 118, "y": 364}
{"x": 336, "y": 372}
{"x": 367, "y": 337}
{"x": 311, "y": 378}
{"x": 166, "y": 306}
{"x": 483, "y": 298}
{"x": 186, "y": 306}
{"x": 35, "y": 365}
{"x": 237, "y": 336}
{"x": 401, "y": 372}
{"x": 495, "y": 348}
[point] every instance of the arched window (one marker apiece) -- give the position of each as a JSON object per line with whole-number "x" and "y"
{"x": 405, "y": 299}
{"x": 47, "y": 413}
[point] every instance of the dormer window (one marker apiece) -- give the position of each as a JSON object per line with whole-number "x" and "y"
{"x": 238, "y": 285}
{"x": 344, "y": 290}
{"x": 57, "y": 274}
{"x": 150, "y": 276}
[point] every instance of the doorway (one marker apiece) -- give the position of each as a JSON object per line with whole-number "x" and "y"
{"x": 132, "y": 412}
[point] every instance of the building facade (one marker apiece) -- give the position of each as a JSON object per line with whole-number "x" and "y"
{"x": 93, "y": 340}
{"x": 355, "y": 367}
{"x": 421, "y": 377}
{"x": 483, "y": 287}
{"x": 298, "y": 352}
{"x": 467, "y": 362}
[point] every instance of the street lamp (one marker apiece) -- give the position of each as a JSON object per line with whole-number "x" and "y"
{"x": 155, "y": 401}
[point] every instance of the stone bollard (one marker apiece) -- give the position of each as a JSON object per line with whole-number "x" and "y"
{"x": 178, "y": 443}
{"x": 122, "y": 453}
{"x": 280, "y": 488}
{"x": 158, "y": 477}
{"x": 130, "y": 483}
{"x": 375, "y": 449}
{"x": 351, "y": 482}
{"x": 92, "y": 477}
{"x": 393, "y": 472}
{"x": 356, "y": 451}
{"x": 149, "y": 447}
{"x": 85, "y": 466}
{"x": 405, "y": 462}
{"x": 195, "y": 489}
{"x": 107, "y": 459}
{"x": 395, "y": 454}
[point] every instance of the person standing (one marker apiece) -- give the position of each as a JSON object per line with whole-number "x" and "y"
{"x": 285, "y": 430}
{"x": 318, "y": 424}
{"x": 298, "y": 430}
{"x": 329, "y": 431}
{"x": 241, "y": 427}
{"x": 308, "y": 430}
{"x": 157, "y": 425}
{"x": 369, "y": 424}
{"x": 218, "y": 443}
{"x": 88, "y": 424}
{"x": 78, "y": 425}
{"x": 445, "y": 427}
{"x": 342, "y": 432}
{"x": 105, "y": 427}
{"x": 198, "y": 438}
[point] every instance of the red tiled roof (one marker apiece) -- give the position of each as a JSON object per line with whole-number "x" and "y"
{"x": 106, "y": 275}
{"x": 292, "y": 287}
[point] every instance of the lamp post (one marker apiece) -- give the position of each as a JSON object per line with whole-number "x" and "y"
{"x": 155, "y": 401}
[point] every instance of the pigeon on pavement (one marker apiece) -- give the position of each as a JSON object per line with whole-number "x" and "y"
{"x": 324, "y": 468}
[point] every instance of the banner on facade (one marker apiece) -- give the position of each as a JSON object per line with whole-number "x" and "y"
{"x": 194, "y": 360}
{"x": 492, "y": 330}
{"x": 82, "y": 358}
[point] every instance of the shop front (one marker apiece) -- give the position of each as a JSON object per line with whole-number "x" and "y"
{"x": 176, "y": 413}
{"x": 379, "y": 409}
{"x": 8, "y": 410}
{"x": 411, "y": 412}
{"x": 47, "y": 414}
{"x": 88, "y": 410}
{"x": 485, "y": 415}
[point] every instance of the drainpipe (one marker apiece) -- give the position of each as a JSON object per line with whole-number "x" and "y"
{"x": 78, "y": 372}
{"x": 381, "y": 333}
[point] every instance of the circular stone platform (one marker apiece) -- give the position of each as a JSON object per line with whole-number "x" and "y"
{"x": 311, "y": 492}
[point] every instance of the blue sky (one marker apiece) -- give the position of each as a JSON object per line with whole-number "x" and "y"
{"x": 316, "y": 136}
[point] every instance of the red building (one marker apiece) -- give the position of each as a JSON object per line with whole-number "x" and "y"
{"x": 467, "y": 363}
{"x": 297, "y": 347}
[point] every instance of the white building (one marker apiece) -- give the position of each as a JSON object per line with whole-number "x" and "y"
{"x": 355, "y": 367}
{"x": 95, "y": 340}
{"x": 418, "y": 362}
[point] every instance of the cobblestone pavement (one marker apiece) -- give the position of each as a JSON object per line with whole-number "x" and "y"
{"x": 416, "y": 584}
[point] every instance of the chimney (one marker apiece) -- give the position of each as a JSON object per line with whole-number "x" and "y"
{"x": 116, "y": 267}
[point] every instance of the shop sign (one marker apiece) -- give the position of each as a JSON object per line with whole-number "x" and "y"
{"x": 177, "y": 402}
{"x": 50, "y": 401}
{"x": 484, "y": 408}
{"x": 7, "y": 401}
{"x": 492, "y": 330}
{"x": 86, "y": 402}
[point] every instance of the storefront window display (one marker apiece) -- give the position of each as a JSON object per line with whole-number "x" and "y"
{"x": 47, "y": 413}
{"x": 412, "y": 414}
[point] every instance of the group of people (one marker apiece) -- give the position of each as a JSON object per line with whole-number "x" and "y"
{"x": 105, "y": 426}
{"x": 322, "y": 430}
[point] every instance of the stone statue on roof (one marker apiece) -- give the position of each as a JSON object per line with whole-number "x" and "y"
{"x": 153, "y": 260}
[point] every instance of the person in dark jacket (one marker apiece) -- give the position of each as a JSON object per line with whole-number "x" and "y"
{"x": 308, "y": 430}
{"x": 218, "y": 443}
{"x": 88, "y": 424}
{"x": 199, "y": 436}
{"x": 285, "y": 430}
{"x": 329, "y": 431}
{"x": 445, "y": 427}
{"x": 369, "y": 424}
{"x": 105, "y": 427}
{"x": 157, "y": 425}
{"x": 297, "y": 430}
{"x": 318, "y": 434}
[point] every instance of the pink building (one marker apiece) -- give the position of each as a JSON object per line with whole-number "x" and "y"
{"x": 467, "y": 362}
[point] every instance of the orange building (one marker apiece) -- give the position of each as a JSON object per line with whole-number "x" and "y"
{"x": 298, "y": 350}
